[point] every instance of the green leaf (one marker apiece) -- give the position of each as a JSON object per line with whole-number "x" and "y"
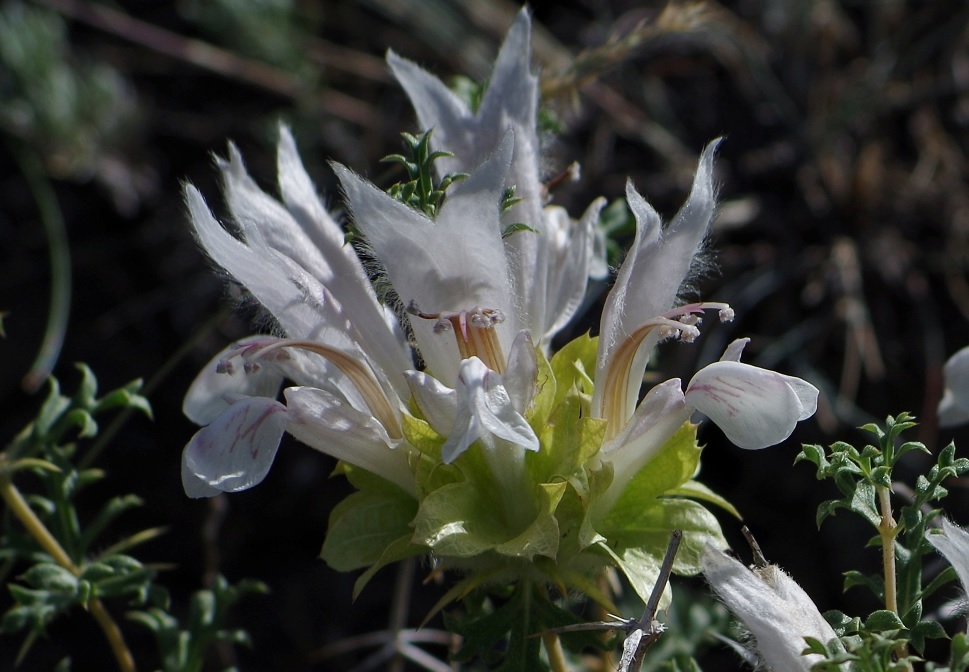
{"x": 697, "y": 490}
{"x": 884, "y": 620}
{"x": 638, "y": 541}
{"x": 363, "y": 525}
{"x": 672, "y": 466}
{"x": 573, "y": 365}
{"x": 399, "y": 549}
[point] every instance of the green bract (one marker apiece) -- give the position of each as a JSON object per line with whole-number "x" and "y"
{"x": 550, "y": 531}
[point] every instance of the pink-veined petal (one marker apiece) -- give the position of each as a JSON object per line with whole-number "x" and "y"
{"x": 484, "y": 411}
{"x": 754, "y": 407}
{"x": 212, "y": 391}
{"x": 236, "y": 451}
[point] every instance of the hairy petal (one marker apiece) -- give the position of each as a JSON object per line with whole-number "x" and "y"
{"x": 235, "y": 451}
{"x": 509, "y": 104}
{"x": 754, "y": 407}
{"x": 655, "y": 268}
{"x": 952, "y": 541}
{"x": 774, "y": 608}
{"x": 453, "y": 263}
{"x": 260, "y": 272}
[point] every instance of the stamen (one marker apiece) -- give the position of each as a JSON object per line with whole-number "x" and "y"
{"x": 571, "y": 174}
{"x": 681, "y": 323}
{"x": 359, "y": 374}
{"x": 474, "y": 332}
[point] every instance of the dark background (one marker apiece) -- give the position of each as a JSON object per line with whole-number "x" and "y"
{"x": 842, "y": 242}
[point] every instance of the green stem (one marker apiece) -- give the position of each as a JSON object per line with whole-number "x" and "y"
{"x": 887, "y": 530}
{"x": 18, "y": 505}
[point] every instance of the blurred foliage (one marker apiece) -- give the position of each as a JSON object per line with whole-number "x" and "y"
{"x": 62, "y": 558}
{"x": 75, "y": 112}
{"x": 273, "y": 31}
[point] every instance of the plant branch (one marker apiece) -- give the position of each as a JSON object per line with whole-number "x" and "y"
{"x": 887, "y": 529}
{"x": 18, "y": 505}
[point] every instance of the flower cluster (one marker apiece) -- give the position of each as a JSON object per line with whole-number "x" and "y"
{"x": 493, "y": 454}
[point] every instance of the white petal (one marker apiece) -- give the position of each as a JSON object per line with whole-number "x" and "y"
{"x": 194, "y": 486}
{"x": 211, "y": 392}
{"x": 330, "y": 425}
{"x": 509, "y": 103}
{"x": 337, "y": 266}
{"x": 655, "y": 268}
{"x": 754, "y": 407}
{"x": 520, "y": 377}
{"x": 437, "y": 402}
{"x": 484, "y": 411}
{"x": 954, "y": 407}
{"x": 734, "y": 350}
{"x": 778, "y": 613}
{"x": 453, "y": 263}
{"x": 570, "y": 249}
{"x": 662, "y": 411}
{"x": 953, "y": 543}
{"x": 236, "y": 450}
{"x": 257, "y": 272}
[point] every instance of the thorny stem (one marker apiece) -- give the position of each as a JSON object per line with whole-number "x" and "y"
{"x": 18, "y": 505}
{"x": 887, "y": 531}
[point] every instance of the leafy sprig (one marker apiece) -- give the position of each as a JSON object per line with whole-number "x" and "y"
{"x": 866, "y": 481}
{"x": 420, "y": 191}
{"x": 63, "y": 561}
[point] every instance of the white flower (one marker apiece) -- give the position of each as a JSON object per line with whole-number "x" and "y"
{"x": 952, "y": 541}
{"x": 776, "y": 610}
{"x": 754, "y": 407}
{"x": 474, "y": 298}
{"x": 549, "y": 267}
{"x": 954, "y": 407}
{"x": 471, "y": 296}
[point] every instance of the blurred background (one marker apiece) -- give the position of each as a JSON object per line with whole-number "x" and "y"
{"x": 842, "y": 241}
